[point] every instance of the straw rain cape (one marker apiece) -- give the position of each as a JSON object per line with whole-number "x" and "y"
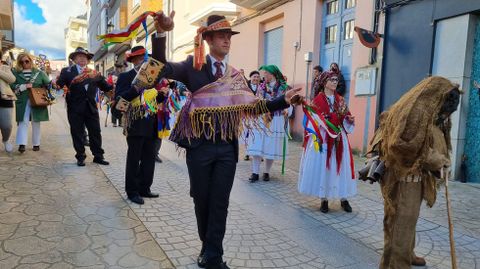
{"x": 219, "y": 108}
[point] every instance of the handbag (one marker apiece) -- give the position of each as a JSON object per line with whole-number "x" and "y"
{"x": 38, "y": 97}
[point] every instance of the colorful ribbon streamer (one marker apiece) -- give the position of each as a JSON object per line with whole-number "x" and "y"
{"x": 119, "y": 36}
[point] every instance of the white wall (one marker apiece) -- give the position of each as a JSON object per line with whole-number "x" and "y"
{"x": 453, "y": 54}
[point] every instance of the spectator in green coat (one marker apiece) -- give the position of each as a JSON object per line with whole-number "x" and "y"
{"x": 27, "y": 76}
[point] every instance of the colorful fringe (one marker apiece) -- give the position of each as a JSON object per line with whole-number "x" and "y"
{"x": 315, "y": 132}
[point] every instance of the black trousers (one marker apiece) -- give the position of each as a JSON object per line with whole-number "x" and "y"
{"x": 78, "y": 122}
{"x": 158, "y": 145}
{"x": 140, "y": 165}
{"x": 211, "y": 168}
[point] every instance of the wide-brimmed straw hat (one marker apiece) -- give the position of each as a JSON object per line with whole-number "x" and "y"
{"x": 217, "y": 23}
{"x": 135, "y": 51}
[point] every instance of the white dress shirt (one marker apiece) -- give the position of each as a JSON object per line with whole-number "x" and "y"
{"x": 80, "y": 70}
{"x": 214, "y": 68}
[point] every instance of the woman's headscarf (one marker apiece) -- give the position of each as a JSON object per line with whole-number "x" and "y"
{"x": 324, "y": 77}
{"x": 275, "y": 71}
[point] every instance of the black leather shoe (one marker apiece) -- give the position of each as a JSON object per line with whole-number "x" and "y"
{"x": 247, "y": 158}
{"x": 346, "y": 206}
{"x": 150, "y": 195}
{"x": 100, "y": 161}
{"x": 80, "y": 162}
{"x": 201, "y": 262}
{"x": 21, "y": 148}
{"x": 253, "y": 178}
{"x": 266, "y": 177}
{"x": 157, "y": 159}
{"x": 324, "y": 207}
{"x": 136, "y": 199}
{"x": 222, "y": 265}
{"x": 36, "y": 148}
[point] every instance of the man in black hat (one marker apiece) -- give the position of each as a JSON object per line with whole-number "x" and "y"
{"x": 211, "y": 161}
{"x": 141, "y": 136}
{"x": 82, "y": 111}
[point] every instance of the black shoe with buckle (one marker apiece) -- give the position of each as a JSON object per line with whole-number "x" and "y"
{"x": 21, "y": 148}
{"x": 266, "y": 177}
{"x": 136, "y": 199}
{"x": 221, "y": 265}
{"x": 149, "y": 194}
{"x": 100, "y": 161}
{"x": 81, "y": 162}
{"x": 346, "y": 206}
{"x": 36, "y": 148}
{"x": 201, "y": 262}
{"x": 324, "y": 206}
{"x": 253, "y": 178}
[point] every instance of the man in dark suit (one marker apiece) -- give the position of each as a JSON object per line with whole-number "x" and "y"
{"x": 211, "y": 163}
{"x": 81, "y": 105}
{"x": 141, "y": 136}
{"x": 254, "y": 81}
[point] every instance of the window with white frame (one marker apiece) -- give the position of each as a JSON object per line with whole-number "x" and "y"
{"x": 350, "y": 3}
{"x": 332, "y": 7}
{"x": 331, "y": 34}
{"x": 349, "y": 29}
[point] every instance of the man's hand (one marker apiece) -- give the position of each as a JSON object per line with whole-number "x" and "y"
{"x": 350, "y": 119}
{"x": 164, "y": 91}
{"x": 163, "y": 23}
{"x": 292, "y": 96}
{"x": 93, "y": 74}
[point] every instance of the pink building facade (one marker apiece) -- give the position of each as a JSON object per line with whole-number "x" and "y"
{"x": 283, "y": 32}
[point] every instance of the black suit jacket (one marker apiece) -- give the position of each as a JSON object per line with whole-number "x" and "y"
{"x": 144, "y": 127}
{"x": 79, "y": 99}
{"x": 194, "y": 80}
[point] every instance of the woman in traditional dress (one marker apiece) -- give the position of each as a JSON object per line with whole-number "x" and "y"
{"x": 327, "y": 167}
{"x": 270, "y": 142}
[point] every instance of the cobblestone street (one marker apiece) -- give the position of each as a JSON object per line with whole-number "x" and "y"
{"x": 54, "y": 214}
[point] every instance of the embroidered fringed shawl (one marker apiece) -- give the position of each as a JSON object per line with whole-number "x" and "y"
{"x": 221, "y": 108}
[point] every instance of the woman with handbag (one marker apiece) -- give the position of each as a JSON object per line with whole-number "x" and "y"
{"x": 6, "y": 104}
{"x": 28, "y": 77}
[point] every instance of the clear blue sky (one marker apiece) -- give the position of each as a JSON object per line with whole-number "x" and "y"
{"x": 33, "y": 11}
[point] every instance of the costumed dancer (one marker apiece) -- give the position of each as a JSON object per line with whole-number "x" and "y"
{"x": 413, "y": 147}
{"x": 82, "y": 111}
{"x": 209, "y": 125}
{"x": 327, "y": 166}
{"x": 254, "y": 84}
{"x": 271, "y": 142}
{"x": 141, "y": 129}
